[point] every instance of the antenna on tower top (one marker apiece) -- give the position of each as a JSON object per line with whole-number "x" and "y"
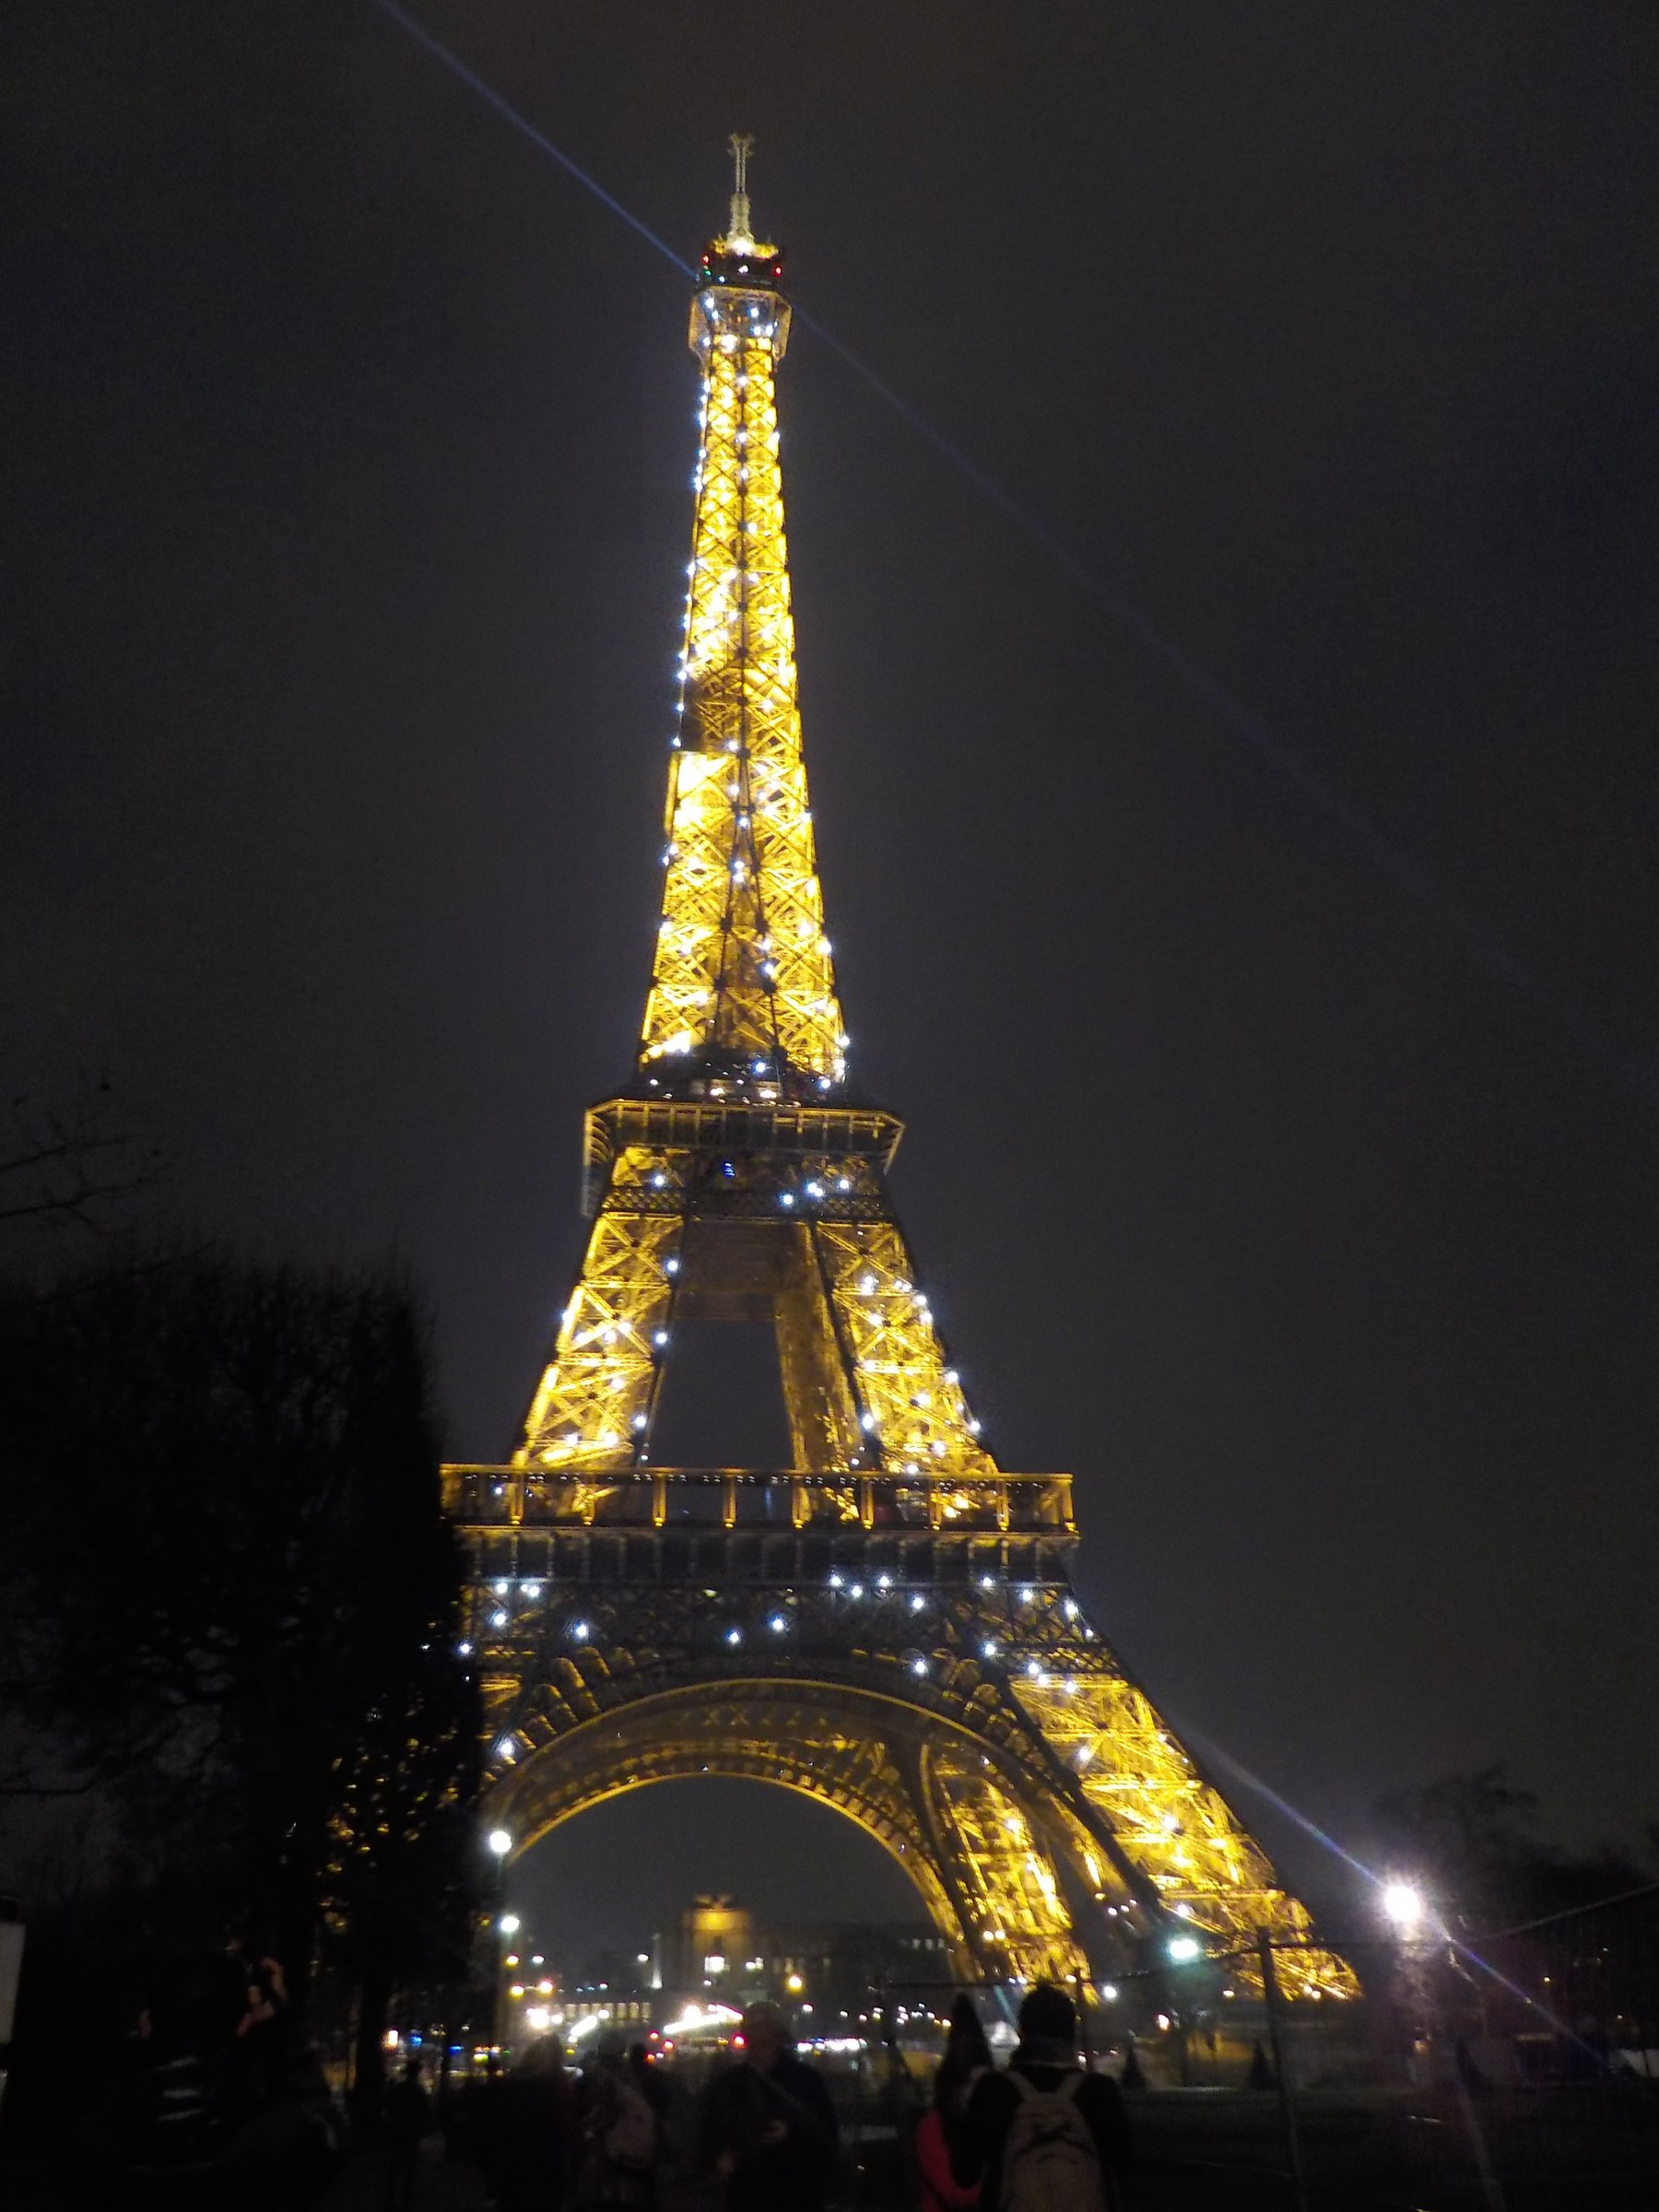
{"x": 741, "y": 145}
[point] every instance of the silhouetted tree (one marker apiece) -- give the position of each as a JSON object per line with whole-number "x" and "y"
{"x": 1473, "y": 1840}
{"x": 234, "y": 1590}
{"x": 66, "y": 1165}
{"x": 402, "y": 1882}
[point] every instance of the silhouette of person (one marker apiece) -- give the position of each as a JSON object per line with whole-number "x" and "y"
{"x": 408, "y": 2116}
{"x": 768, "y": 2128}
{"x": 946, "y": 2160}
{"x": 1046, "y": 2056}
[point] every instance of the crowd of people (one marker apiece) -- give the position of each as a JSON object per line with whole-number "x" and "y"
{"x": 622, "y": 2133}
{"x": 221, "y": 2087}
{"x": 1044, "y": 2133}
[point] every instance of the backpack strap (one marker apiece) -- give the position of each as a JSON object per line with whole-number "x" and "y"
{"x": 1027, "y": 2088}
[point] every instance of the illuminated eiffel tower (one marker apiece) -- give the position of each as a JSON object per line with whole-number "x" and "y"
{"x": 887, "y": 1624}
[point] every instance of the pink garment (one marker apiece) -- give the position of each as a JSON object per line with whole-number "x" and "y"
{"x": 941, "y": 2191}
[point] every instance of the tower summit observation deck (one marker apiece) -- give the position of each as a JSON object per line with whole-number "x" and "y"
{"x": 887, "y": 1624}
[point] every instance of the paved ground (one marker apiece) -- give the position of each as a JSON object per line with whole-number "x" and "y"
{"x": 440, "y": 2185}
{"x": 1210, "y": 2168}
{"x": 1199, "y": 2152}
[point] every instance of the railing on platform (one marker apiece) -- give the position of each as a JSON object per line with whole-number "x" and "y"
{"x": 493, "y": 1497}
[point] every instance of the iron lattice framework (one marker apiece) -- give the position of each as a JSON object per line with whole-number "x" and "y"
{"x": 889, "y": 1625}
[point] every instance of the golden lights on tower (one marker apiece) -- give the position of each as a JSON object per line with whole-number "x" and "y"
{"x": 945, "y": 1690}
{"x": 743, "y": 965}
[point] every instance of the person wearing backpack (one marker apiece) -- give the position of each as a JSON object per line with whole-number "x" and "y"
{"x": 1049, "y": 2136}
{"x": 618, "y": 2135}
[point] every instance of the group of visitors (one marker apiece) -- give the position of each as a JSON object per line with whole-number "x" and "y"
{"x": 1043, "y": 2135}
{"x": 599, "y": 2141}
{"x": 224, "y": 2092}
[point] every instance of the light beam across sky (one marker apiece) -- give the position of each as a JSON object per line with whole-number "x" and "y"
{"x": 1481, "y": 944}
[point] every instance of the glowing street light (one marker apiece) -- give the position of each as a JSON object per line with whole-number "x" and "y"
{"x": 509, "y": 1924}
{"x": 1403, "y": 1906}
{"x": 499, "y": 1842}
{"x": 1183, "y": 1949}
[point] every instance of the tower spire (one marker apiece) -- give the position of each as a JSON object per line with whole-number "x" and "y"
{"x": 743, "y": 987}
{"x": 738, "y": 231}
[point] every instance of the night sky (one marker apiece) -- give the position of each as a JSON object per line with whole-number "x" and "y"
{"x": 1241, "y": 869}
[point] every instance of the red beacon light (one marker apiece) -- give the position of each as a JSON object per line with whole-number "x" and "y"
{"x": 743, "y": 271}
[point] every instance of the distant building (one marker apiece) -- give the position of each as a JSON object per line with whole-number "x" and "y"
{"x": 831, "y": 1974}
{"x": 714, "y": 1947}
{"x": 613, "y": 1985}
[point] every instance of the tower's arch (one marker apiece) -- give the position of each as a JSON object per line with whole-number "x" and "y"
{"x": 561, "y": 1801}
{"x": 978, "y": 1843}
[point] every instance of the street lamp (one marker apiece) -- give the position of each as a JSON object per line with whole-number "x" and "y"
{"x": 1407, "y": 1912}
{"x": 1403, "y": 1905}
{"x": 500, "y": 1843}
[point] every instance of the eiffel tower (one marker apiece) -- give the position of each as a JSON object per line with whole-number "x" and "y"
{"x": 887, "y": 1624}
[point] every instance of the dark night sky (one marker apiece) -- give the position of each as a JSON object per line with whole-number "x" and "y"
{"x": 1304, "y": 1203}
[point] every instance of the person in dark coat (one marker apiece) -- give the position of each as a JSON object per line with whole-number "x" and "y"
{"x": 1046, "y": 2053}
{"x": 946, "y": 2161}
{"x": 408, "y": 2116}
{"x": 768, "y": 2128}
{"x": 535, "y": 2151}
